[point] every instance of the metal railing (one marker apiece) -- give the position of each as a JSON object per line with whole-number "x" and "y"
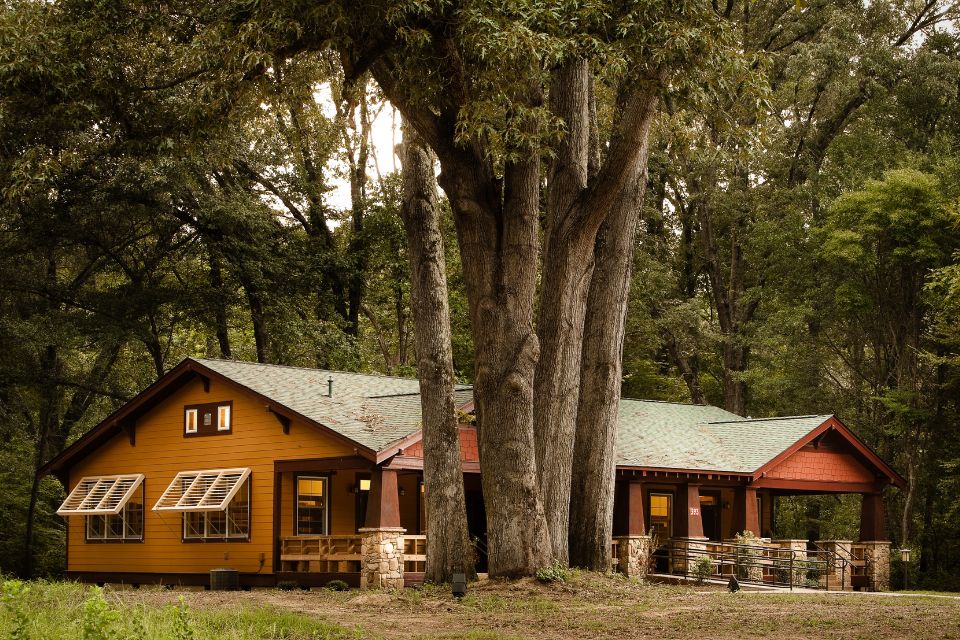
{"x": 755, "y": 564}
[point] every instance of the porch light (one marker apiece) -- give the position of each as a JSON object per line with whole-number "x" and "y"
{"x": 905, "y": 555}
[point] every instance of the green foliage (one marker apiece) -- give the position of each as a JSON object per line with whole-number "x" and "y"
{"x": 554, "y": 573}
{"x": 99, "y": 620}
{"x": 182, "y": 628}
{"x": 14, "y": 594}
{"x": 702, "y": 568}
{"x": 337, "y": 585}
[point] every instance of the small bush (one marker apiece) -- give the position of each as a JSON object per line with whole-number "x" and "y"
{"x": 553, "y": 573}
{"x": 14, "y": 593}
{"x": 338, "y": 585}
{"x": 702, "y": 568}
{"x": 288, "y": 585}
{"x": 181, "y": 623}
{"x": 98, "y": 619}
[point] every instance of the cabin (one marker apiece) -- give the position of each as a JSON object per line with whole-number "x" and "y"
{"x": 297, "y": 475}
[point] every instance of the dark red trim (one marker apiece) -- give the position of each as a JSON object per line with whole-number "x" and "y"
{"x": 411, "y": 463}
{"x": 815, "y": 486}
{"x": 204, "y": 431}
{"x": 322, "y": 464}
{"x": 277, "y": 511}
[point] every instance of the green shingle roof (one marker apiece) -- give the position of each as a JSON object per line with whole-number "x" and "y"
{"x": 667, "y": 435}
{"x": 375, "y": 411}
{"x": 371, "y": 410}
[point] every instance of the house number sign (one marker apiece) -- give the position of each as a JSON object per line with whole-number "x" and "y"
{"x": 694, "y": 511}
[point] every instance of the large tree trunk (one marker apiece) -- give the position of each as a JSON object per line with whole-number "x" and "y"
{"x": 592, "y": 489}
{"x": 577, "y": 204}
{"x": 448, "y": 541}
{"x": 219, "y": 305}
{"x": 567, "y": 266}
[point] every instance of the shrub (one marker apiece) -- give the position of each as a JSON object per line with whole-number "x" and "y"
{"x": 14, "y": 594}
{"x": 553, "y": 573}
{"x": 98, "y": 619}
{"x": 702, "y": 568}
{"x": 289, "y": 585}
{"x": 181, "y": 623}
{"x": 338, "y": 585}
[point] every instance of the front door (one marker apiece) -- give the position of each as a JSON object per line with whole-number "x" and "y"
{"x": 710, "y": 513}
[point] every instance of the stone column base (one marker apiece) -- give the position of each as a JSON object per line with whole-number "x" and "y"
{"x": 633, "y": 555}
{"x": 684, "y": 552}
{"x": 798, "y": 549}
{"x": 877, "y": 555}
{"x": 382, "y": 564}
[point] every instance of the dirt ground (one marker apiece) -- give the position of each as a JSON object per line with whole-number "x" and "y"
{"x": 593, "y": 606}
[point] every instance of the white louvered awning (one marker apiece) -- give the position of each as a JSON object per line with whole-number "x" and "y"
{"x": 100, "y": 495}
{"x": 210, "y": 490}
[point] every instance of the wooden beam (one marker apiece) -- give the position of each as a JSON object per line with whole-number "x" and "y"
{"x": 383, "y": 503}
{"x": 873, "y": 518}
{"x": 323, "y": 464}
{"x": 628, "y": 513}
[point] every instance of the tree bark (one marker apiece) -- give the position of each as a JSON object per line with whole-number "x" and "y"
{"x": 577, "y": 204}
{"x": 219, "y": 305}
{"x": 592, "y": 488}
{"x": 449, "y": 549}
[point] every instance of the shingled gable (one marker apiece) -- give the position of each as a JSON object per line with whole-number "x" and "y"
{"x": 357, "y": 414}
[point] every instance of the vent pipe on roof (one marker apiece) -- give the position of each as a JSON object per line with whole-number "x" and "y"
{"x": 329, "y": 386}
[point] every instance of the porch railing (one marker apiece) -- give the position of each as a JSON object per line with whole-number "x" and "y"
{"x": 756, "y": 564}
{"x": 414, "y": 554}
{"x": 334, "y": 554}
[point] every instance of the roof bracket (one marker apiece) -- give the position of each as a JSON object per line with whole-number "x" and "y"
{"x": 130, "y": 426}
{"x": 282, "y": 419}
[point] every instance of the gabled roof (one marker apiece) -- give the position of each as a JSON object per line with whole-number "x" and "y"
{"x": 665, "y": 435}
{"x": 381, "y": 414}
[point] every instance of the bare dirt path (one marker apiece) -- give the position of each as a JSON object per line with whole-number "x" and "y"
{"x": 594, "y": 607}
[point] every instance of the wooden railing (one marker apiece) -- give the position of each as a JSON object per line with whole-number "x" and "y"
{"x": 414, "y": 554}
{"x": 340, "y": 554}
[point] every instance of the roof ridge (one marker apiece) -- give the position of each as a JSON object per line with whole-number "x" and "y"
{"x": 290, "y": 366}
{"x": 812, "y": 415}
{"x": 683, "y": 404}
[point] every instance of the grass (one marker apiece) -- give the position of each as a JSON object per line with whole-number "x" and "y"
{"x": 583, "y": 605}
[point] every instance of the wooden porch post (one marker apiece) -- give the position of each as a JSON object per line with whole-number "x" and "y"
{"x": 383, "y": 505}
{"x": 628, "y": 510}
{"x": 873, "y": 518}
{"x": 689, "y": 520}
{"x": 746, "y": 517}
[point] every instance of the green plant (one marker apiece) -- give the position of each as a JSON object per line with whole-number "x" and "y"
{"x": 14, "y": 596}
{"x": 98, "y": 618}
{"x": 702, "y": 568}
{"x": 338, "y": 585}
{"x": 288, "y": 585}
{"x": 553, "y": 573}
{"x": 181, "y": 622}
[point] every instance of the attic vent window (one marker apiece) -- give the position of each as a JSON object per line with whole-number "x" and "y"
{"x": 208, "y": 419}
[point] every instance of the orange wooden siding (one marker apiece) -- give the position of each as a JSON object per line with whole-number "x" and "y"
{"x": 161, "y": 451}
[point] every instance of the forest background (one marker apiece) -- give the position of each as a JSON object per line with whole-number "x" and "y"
{"x": 797, "y": 250}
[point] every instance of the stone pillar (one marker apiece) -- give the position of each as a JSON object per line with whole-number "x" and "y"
{"x": 633, "y": 555}
{"x": 382, "y": 565}
{"x": 877, "y": 556}
{"x": 684, "y": 553}
{"x": 873, "y": 518}
{"x": 746, "y": 516}
{"x": 840, "y": 576}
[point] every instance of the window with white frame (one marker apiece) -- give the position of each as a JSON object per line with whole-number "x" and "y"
{"x": 312, "y": 511}
{"x": 211, "y": 419}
